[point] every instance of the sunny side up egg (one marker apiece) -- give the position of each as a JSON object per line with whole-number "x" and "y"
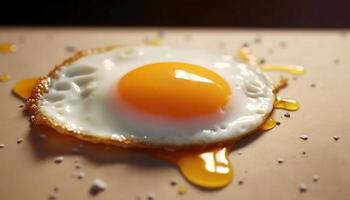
{"x": 144, "y": 96}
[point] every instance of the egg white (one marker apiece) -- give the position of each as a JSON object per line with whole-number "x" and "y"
{"x": 78, "y": 98}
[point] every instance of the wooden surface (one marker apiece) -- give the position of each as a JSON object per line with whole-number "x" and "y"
{"x": 28, "y": 170}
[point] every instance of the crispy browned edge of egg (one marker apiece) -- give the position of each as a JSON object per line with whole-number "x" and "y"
{"x": 38, "y": 118}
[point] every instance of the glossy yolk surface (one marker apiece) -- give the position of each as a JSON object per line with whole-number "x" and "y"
{"x": 179, "y": 90}
{"x": 23, "y": 88}
{"x": 208, "y": 168}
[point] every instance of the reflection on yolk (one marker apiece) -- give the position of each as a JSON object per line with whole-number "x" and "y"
{"x": 179, "y": 90}
{"x": 23, "y": 88}
{"x": 268, "y": 124}
{"x": 287, "y": 104}
{"x": 208, "y": 168}
{"x": 297, "y": 69}
{"x": 7, "y": 48}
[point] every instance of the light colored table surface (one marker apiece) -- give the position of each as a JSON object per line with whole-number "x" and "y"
{"x": 28, "y": 171}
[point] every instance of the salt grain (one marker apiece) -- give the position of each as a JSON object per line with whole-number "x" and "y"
{"x": 302, "y": 187}
{"x": 59, "y": 159}
{"x": 315, "y": 178}
{"x": 19, "y": 140}
{"x": 336, "y": 138}
{"x": 280, "y": 161}
{"x": 304, "y": 137}
{"x": 97, "y": 186}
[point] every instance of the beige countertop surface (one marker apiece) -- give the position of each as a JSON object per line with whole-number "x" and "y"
{"x": 28, "y": 170}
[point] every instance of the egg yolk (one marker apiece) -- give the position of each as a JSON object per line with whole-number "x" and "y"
{"x": 175, "y": 89}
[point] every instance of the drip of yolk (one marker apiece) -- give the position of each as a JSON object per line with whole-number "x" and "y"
{"x": 268, "y": 124}
{"x": 292, "y": 69}
{"x": 23, "y": 88}
{"x": 209, "y": 168}
{"x": 287, "y": 104}
{"x": 5, "y": 77}
{"x": 178, "y": 90}
{"x": 7, "y": 48}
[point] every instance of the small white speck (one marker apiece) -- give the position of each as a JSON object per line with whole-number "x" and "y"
{"x": 2, "y": 146}
{"x": 302, "y": 187}
{"x": 315, "y": 178}
{"x": 19, "y": 140}
{"x": 336, "y": 138}
{"x": 304, "y": 137}
{"x": 59, "y": 159}
{"x": 239, "y": 153}
{"x": 151, "y": 196}
{"x": 280, "y": 160}
{"x": 97, "y": 186}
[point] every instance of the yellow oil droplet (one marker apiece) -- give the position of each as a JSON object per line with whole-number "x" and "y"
{"x": 268, "y": 124}
{"x": 7, "y": 48}
{"x": 246, "y": 56}
{"x": 4, "y": 77}
{"x": 181, "y": 189}
{"x": 154, "y": 42}
{"x": 292, "y": 69}
{"x": 208, "y": 168}
{"x": 23, "y": 88}
{"x": 286, "y": 104}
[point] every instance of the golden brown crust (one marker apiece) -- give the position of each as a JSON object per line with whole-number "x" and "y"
{"x": 38, "y": 118}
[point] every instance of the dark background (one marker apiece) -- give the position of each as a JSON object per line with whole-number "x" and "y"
{"x": 175, "y": 13}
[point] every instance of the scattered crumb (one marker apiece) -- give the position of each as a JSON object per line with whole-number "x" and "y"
{"x": 287, "y": 115}
{"x": 59, "y": 159}
{"x": 77, "y": 166}
{"x": 240, "y": 182}
{"x": 280, "y": 161}
{"x": 2, "y": 146}
{"x": 302, "y": 187}
{"x": 315, "y": 178}
{"x": 97, "y": 186}
{"x": 304, "y": 153}
{"x": 262, "y": 61}
{"x": 173, "y": 182}
{"x": 181, "y": 189}
{"x": 313, "y": 85}
{"x": 336, "y": 138}
{"x": 336, "y": 61}
{"x": 42, "y": 136}
{"x": 19, "y": 140}
{"x": 71, "y": 48}
{"x": 5, "y": 77}
{"x": 245, "y": 44}
{"x": 239, "y": 153}
{"x": 278, "y": 123}
{"x": 257, "y": 40}
{"x": 151, "y": 196}
{"x": 295, "y": 78}
{"x": 52, "y": 197}
{"x": 56, "y": 189}
{"x": 304, "y": 137}
{"x": 80, "y": 175}
{"x": 21, "y": 106}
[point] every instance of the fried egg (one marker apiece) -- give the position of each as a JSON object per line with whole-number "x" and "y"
{"x": 153, "y": 96}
